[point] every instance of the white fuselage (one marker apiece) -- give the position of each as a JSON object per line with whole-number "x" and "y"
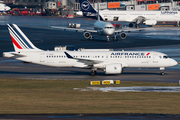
{"x": 3, "y": 7}
{"x": 130, "y": 16}
{"x": 133, "y": 59}
{"x": 104, "y": 28}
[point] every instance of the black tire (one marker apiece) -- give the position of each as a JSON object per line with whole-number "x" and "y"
{"x": 130, "y": 24}
{"x": 162, "y": 73}
{"x": 93, "y": 73}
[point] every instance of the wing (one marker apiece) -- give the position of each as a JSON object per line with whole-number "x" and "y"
{"x": 139, "y": 19}
{"x": 127, "y": 30}
{"x": 86, "y": 61}
{"x": 75, "y": 29}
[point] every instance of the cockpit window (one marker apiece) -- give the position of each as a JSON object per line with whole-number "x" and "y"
{"x": 165, "y": 57}
{"x": 108, "y": 27}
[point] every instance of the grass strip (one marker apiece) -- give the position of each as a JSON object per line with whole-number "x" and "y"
{"x": 20, "y": 96}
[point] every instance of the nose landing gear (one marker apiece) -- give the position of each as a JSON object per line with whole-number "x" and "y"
{"x": 162, "y": 71}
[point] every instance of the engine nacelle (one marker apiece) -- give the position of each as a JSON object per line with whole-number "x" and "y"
{"x": 150, "y": 22}
{"x": 122, "y": 35}
{"x": 87, "y": 35}
{"x": 113, "y": 68}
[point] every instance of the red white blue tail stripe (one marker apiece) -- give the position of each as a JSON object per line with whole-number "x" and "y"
{"x": 19, "y": 39}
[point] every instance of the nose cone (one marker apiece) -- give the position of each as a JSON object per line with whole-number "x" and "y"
{"x": 7, "y": 8}
{"x": 109, "y": 31}
{"x": 173, "y": 62}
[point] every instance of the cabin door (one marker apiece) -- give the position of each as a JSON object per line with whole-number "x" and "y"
{"x": 155, "y": 58}
{"x": 42, "y": 57}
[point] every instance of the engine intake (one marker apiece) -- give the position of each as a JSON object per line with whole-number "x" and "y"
{"x": 87, "y": 35}
{"x": 113, "y": 68}
{"x": 122, "y": 35}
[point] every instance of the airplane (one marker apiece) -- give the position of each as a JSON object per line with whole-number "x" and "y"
{"x": 133, "y": 17}
{"x": 101, "y": 28}
{"x": 111, "y": 62}
{"x": 4, "y": 8}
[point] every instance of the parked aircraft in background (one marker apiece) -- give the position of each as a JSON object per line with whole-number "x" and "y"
{"x": 4, "y": 8}
{"x": 111, "y": 62}
{"x": 101, "y": 28}
{"x": 134, "y": 17}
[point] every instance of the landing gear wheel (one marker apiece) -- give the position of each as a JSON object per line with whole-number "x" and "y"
{"x": 162, "y": 70}
{"x": 91, "y": 38}
{"x": 93, "y": 73}
{"x": 131, "y": 25}
{"x": 115, "y": 39}
{"x": 162, "y": 73}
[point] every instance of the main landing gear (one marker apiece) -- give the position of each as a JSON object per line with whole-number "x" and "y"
{"x": 162, "y": 71}
{"x": 91, "y": 38}
{"x": 131, "y": 25}
{"x": 115, "y": 38}
{"x": 93, "y": 72}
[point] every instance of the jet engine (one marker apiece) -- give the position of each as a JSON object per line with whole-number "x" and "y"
{"x": 87, "y": 35}
{"x": 113, "y": 68}
{"x": 150, "y": 22}
{"x": 122, "y": 35}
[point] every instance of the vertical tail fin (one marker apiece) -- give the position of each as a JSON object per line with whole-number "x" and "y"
{"x": 86, "y": 6}
{"x": 19, "y": 39}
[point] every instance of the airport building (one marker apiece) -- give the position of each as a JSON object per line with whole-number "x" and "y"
{"x": 104, "y": 4}
{"x": 136, "y": 4}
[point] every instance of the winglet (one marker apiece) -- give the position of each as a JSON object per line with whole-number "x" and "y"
{"x": 68, "y": 55}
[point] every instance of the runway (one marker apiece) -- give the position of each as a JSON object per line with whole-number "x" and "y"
{"x": 166, "y": 40}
